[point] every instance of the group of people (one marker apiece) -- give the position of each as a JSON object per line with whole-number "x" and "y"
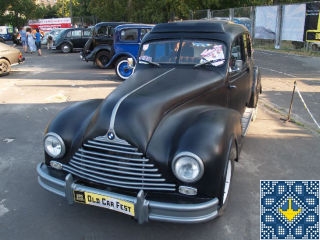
{"x": 31, "y": 41}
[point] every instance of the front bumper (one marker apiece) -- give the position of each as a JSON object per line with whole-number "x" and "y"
{"x": 145, "y": 210}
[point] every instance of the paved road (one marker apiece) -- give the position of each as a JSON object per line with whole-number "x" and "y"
{"x": 280, "y": 72}
{"x": 38, "y": 89}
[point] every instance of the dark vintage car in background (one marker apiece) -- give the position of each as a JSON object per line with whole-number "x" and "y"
{"x": 162, "y": 145}
{"x": 9, "y": 56}
{"x": 102, "y": 35}
{"x": 126, "y": 39}
{"x": 72, "y": 39}
{"x": 53, "y": 33}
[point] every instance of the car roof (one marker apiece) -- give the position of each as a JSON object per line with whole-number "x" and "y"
{"x": 210, "y": 26}
{"x": 224, "y": 30}
{"x": 134, "y": 25}
{"x": 109, "y": 24}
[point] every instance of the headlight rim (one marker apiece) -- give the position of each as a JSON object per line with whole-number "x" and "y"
{"x": 196, "y": 158}
{"x": 63, "y": 147}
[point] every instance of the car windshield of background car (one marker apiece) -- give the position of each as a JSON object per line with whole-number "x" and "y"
{"x": 186, "y": 51}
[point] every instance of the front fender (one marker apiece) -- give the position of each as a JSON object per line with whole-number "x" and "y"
{"x": 205, "y": 131}
{"x": 117, "y": 56}
{"x": 92, "y": 54}
{"x": 71, "y": 123}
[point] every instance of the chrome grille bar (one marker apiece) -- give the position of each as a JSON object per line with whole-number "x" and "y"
{"x": 116, "y": 163}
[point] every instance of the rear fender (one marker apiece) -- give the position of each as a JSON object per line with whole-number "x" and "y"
{"x": 256, "y": 88}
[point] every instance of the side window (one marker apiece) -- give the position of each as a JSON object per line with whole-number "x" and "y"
{"x": 110, "y": 31}
{"x": 76, "y": 33}
{"x": 102, "y": 31}
{"x": 69, "y": 34}
{"x": 87, "y": 33}
{"x": 129, "y": 35}
{"x": 247, "y": 43}
{"x": 144, "y": 31}
{"x": 237, "y": 56}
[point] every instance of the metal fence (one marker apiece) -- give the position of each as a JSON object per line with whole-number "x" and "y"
{"x": 280, "y": 35}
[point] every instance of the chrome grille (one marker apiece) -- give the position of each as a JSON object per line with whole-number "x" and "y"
{"x": 116, "y": 163}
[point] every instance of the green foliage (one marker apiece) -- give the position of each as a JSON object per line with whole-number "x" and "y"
{"x": 151, "y": 11}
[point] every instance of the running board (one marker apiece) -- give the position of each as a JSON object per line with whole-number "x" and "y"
{"x": 246, "y": 119}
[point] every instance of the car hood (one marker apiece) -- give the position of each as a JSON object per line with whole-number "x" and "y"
{"x": 134, "y": 109}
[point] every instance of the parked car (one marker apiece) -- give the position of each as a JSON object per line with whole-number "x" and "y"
{"x": 125, "y": 44}
{"x": 9, "y": 56}
{"x": 53, "y": 33}
{"x": 72, "y": 39}
{"x": 102, "y": 34}
{"x": 162, "y": 145}
{"x": 6, "y": 33}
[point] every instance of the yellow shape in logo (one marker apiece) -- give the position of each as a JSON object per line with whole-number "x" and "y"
{"x": 290, "y": 214}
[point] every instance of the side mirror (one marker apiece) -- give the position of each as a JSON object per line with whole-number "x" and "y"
{"x": 130, "y": 62}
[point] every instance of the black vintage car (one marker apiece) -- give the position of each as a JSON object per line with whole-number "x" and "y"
{"x": 98, "y": 48}
{"x": 72, "y": 39}
{"x": 162, "y": 145}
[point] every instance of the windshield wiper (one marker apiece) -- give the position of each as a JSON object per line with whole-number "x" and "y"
{"x": 210, "y": 61}
{"x": 149, "y": 62}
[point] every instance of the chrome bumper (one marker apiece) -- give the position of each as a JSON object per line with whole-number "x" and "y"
{"x": 145, "y": 210}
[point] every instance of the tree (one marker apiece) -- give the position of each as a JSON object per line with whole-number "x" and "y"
{"x": 19, "y": 11}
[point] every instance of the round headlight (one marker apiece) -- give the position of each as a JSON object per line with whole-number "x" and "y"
{"x": 187, "y": 167}
{"x": 54, "y": 145}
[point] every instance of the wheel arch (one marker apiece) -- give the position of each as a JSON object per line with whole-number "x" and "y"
{"x": 2, "y": 57}
{"x": 202, "y": 130}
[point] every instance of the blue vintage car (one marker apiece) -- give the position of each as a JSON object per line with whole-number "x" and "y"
{"x": 126, "y": 43}
{"x": 6, "y": 33}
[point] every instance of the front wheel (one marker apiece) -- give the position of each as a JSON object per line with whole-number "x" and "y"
{"x": 102, "y": 59}
{"x": 4, "y": 67}
{"x": 227, "y": 178}
{"x": 123, "y": 70}
{"x": 66, "y": 48}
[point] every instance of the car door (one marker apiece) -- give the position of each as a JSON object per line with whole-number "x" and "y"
{"x": 128, "y": 41}
{"x": 239, "y": 73}
{"x": 86, "y": 35}
{"x": 76, "y": 35}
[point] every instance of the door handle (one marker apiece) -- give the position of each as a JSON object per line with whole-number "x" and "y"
{"x": 232, "y": 86}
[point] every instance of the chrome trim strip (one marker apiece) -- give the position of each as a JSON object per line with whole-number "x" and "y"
{"x": 116, "y": 107}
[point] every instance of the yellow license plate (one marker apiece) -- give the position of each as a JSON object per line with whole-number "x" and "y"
{"x": 104, "y": 202}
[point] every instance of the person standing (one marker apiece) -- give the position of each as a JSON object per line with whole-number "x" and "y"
{"x": 38, "y": 41}
{"x": 30, "y": 40}
{"x": 23, "y": 38}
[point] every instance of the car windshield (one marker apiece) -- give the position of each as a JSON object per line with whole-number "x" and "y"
{"x": 186, "y": 51}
